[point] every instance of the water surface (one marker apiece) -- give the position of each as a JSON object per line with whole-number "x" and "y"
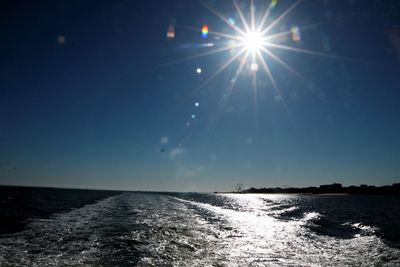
{"x": 187, "y": 229}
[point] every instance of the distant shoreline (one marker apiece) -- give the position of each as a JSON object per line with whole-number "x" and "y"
{"x": 306, "y": 194}
{"x": 330, "y": 189}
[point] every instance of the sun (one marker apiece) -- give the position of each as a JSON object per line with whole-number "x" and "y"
{"x": 253, "y": 41}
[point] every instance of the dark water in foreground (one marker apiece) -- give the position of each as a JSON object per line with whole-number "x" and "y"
{"x": 41, "y": 227}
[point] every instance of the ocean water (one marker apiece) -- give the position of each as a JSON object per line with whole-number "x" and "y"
{"x": 100, "y": 228}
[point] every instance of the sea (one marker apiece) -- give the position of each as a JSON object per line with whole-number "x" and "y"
{"x": 60, "y": 227}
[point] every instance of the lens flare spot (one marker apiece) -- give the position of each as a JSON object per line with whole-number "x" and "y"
{"x": 273, "y": 3}
{"x": 254, "y": 67}
{"x": 296, "y": 37}
{"x": 171, "y": 29}
{"x": 204, "y": 31}
{"x": 61, "y": 39}
{"x": 164, "y": 140}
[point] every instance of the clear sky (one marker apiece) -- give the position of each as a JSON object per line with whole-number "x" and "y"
{"x": 94, "y": 94}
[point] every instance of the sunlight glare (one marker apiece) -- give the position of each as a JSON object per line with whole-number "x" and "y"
{"x": 253, "y": 41}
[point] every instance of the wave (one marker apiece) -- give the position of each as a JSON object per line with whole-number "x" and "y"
{"x": 276, "y": 233}
{"x": 46, "y": 241}
{"x": 232, "y": 230}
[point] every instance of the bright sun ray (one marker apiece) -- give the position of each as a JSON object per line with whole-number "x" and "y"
{"x": 303, "y": 28}
{"x": 252, "y": 15}
{"x": 281, "y": 17}
{"x": 264, "y": 18}
{"x": 274, "y": 84}
{"x": 283, "y": 63}
{"x": 243, "y": 20}
{"x": 310, "y": 52}
{"x": 224, "y": 99}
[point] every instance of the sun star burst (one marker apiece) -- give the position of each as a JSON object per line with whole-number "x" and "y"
{"x": 253, "y": 45}
{"x": 253, "y": 41}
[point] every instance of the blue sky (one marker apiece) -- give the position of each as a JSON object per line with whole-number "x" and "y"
{"x": 86, "y": 99}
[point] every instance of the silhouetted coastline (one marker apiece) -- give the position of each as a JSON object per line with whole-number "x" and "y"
{"x": 335, "y": 188}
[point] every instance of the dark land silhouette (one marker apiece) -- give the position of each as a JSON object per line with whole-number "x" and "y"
{"x": 335, "y": 188}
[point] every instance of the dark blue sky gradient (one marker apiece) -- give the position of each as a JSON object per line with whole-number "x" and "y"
{"x": 102, "y": 110}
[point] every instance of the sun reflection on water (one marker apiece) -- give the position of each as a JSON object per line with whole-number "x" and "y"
{"x": 255, "y": 233}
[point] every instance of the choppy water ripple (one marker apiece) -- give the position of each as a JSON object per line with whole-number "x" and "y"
{"x": 212, "y": 230}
